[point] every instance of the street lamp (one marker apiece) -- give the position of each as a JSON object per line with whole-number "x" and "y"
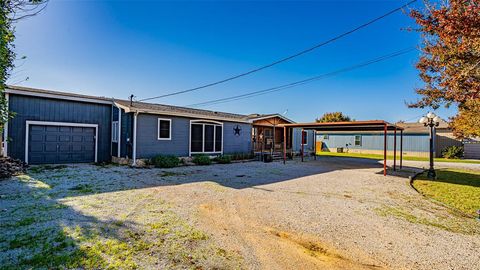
{"x": 431, "y": 120}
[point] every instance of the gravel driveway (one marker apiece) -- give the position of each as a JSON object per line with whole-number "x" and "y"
{"x": 326, "y": 214}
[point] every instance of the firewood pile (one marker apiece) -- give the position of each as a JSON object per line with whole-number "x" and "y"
{"x": 10, "y": 167}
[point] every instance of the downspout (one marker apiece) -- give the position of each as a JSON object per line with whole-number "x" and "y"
{"x": 119, "y": 138}
{"x": 134, "y": 151}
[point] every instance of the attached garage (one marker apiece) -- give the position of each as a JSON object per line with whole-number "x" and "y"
{"x": 53, "y": 143}
{"x": 54, "y": 127}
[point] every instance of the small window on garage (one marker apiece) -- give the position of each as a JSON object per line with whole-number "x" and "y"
{"x": 115, "y": 131}
{"x": 358, "y": 140}
{"x": 164, "y": 129}
{"x": 326, "y": 137}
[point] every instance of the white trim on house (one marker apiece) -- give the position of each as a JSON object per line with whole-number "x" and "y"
{"x": 134, "y": 150}
{"x": 57, "y": 96}
{"x": 119, "y": 144}
{"x": 5, "y": 131}
{"x": 169, "y": 129}
{"x": 306, "y": 137}
{"x": 64, "y": 124}
{"x": 205, "y": 122}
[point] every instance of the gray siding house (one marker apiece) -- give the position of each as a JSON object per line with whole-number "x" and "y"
{"x": 58, "y": 127}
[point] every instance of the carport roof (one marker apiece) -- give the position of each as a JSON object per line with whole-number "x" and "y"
{"x": 370, "y": 125}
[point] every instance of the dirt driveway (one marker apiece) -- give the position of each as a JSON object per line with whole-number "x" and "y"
{"x": 326, "y": 214}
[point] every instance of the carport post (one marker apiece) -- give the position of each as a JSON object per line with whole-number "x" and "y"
{"x": 315, "y": 144}
{"x": 385, "y": 150}
{"x": 401, "y": 148}
{"x": 395, "y": 149}
{"x": 284, "y": 145}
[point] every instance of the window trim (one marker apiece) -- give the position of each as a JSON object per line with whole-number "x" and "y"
{"x": 115, "y": 125}
{"x": 306, "y": 137}
{"x": 203, "y": 123}
{"x": 169, "y": 129}
{"x": 355, "y": 140}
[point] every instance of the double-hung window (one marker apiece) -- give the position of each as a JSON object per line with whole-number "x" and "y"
{"x": 206, "y": 137}
{"x": 115, "y": 131}
{"x": 164, "y": 129}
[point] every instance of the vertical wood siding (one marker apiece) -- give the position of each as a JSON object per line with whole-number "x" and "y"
{"x": 53, "y": 110}
{"x": 148, "y": 144}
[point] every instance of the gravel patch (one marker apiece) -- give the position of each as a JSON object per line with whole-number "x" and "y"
{"x": 330, "y": 213}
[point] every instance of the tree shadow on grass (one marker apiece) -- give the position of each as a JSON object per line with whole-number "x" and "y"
{"x": 457, "y": 177}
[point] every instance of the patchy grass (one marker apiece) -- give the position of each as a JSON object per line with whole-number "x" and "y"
{"x": 452, "y": 223}
{"x": 169, "y": 174}
{"x": 82, "y": 188}
{"x": 45, "y": 168}
{"x": 52, "y": 228}
{"x": 390, "y": 157}
{"x": 456, "y": 188}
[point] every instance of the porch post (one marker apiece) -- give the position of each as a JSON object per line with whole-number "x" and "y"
{"x": 401, "y": 148}
{"x": 273, "y": 146}
{"x": 302, "y": 143}
{"x": 385, "y": 150}
{"x": 284, "y": 145}
{"x": 395, "y": 149}
{"x": 314, "y": 144}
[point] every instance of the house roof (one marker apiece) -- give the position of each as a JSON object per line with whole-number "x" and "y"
{"x": 256, "y": 116}
{"x": 420, "y": 128}
{"x": 125, "y": 104}
{"x": 21, "y": 90}
{"x": 180, "y": 111}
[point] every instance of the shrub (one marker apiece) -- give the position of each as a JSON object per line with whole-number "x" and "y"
{"x": 202, "y": 160}
{"x": 224, "y": 159}
{"x": 241, "y": 156}
{"x": 452, "y": 152}
{"x": 161, "y": 161}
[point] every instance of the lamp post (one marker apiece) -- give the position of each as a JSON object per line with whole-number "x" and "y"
{"x": 431, "y": 120}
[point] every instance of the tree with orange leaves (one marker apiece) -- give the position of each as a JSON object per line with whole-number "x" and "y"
{"x": 450, "y": 61}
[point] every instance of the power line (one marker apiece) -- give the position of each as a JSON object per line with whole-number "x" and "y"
{"x": 284, "y": 59}
{"x": 305, "y": 81}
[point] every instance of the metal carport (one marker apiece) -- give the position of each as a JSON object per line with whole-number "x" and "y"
{"x": 371, "y": 125}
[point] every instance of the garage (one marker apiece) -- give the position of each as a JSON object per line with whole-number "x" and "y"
{"x": 54, "y": 143}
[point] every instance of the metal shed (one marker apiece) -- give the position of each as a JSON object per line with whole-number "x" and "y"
{"x": 371, "y": 125}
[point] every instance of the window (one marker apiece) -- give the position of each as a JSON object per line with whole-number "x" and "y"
{"x": 325, "y": 137}
{"x": 206, "y": 137}
{"x": 304, "y": 137}
{"x": 358, "y": 140}
{"x": 164, "y": 129}
{"x": 115, "y": 131}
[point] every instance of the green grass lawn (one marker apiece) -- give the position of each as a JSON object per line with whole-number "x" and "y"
{"x": 459, "y": 189}
{"x": 390, "y": 157}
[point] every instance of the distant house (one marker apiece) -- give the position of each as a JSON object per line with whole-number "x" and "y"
{"x": 59, "y": 127}
{"x": 415, "y": 140}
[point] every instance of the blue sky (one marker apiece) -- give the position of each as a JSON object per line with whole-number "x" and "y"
{"x": 149, "y": 48}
